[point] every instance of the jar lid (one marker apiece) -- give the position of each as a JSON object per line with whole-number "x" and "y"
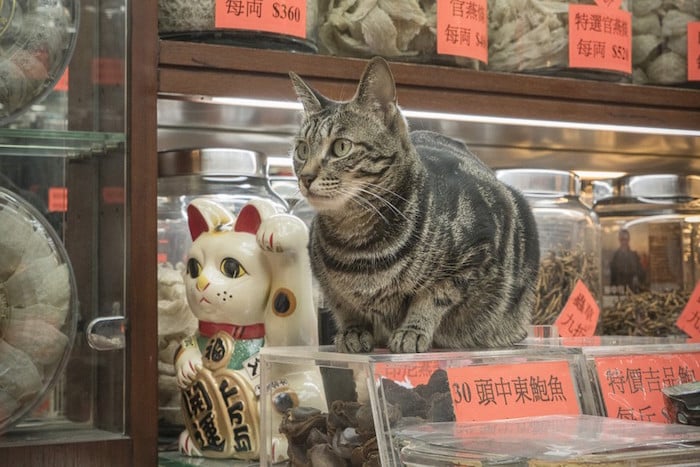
{"x": 212, "y": 162}
{"x": 660, "y": 186}
{"x": 542, "y": 181}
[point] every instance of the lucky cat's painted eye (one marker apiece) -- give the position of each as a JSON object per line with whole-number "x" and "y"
{"x": 194, "y": 269}
{"x": 341, "y": 147}
{"x": 232, "y": 268}
{"x": 303, "y": 150}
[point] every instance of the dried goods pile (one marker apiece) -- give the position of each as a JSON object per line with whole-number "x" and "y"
{"x": 35, "y": 45}
{"x": 660, "y": 39}
{"x": 558, "y": 275}
{"x": 644, "y": 314}
{"x": 345, "y": 436}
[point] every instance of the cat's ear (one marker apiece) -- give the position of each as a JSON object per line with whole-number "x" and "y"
{"x": 312, "y": 100}
{"x": 377, "y": 89}
{"x": 252, "y": 215}
{"x": 204, "y": 215}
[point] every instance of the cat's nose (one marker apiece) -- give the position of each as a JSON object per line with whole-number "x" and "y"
{"x": 307, "y": 180}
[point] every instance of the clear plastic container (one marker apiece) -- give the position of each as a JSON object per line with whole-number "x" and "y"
{"x": 569, "y": 236}
{"x": 650, "y": 252}
{"x": 532, "y": 36}
{"x": 660, "y": 40}
{"x": 195, "y": 20}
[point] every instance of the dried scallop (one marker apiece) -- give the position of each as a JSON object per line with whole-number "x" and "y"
{"x": 647, "y": 24}
{"x": 667, "y": 68}
{"x": 19, "y": 377}
{"x": 675, "y": 23}
{"x": 644, "y": 7}
{"x": 644, "y": 46}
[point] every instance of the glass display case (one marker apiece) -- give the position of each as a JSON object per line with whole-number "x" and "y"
{"x": 75, "y": 181}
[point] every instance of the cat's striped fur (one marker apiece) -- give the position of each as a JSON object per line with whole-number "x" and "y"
{"x": 415, "y": 244}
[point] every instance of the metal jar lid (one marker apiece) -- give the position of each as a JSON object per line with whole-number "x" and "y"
{"x": 212, "y": 162}
{"x": 542, "y": 181}
{"x": 660, "y": 186}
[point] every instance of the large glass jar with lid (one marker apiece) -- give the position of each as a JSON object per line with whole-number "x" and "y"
{"x": 650, "y": 243}
{"x": 569, "y": 237}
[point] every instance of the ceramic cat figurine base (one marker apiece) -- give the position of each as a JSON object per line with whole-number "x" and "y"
{"x": 248, "y": 282}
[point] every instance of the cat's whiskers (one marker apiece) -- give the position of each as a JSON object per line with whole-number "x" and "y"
{"x": 383, "y": 200}
{"x": 362, "y": 202}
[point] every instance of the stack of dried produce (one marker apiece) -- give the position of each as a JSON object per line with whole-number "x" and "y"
{"x": 660, "y": 39}
{"x": 558, "y": 275}
{"x": 644, "y": 314}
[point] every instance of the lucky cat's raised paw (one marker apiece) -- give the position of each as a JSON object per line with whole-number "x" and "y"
{"x": 354, "y": 340}
{"x": 409, "y": 341}
{"x": 187, "y": 371}
{"x": 282, "y": 233}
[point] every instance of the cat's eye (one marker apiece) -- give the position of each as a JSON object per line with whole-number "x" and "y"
{"x": 341, "y": 147}
{"x": 303, "y": 150}
{"x": 232, "y": 268}
{"x": 194, "y": 269}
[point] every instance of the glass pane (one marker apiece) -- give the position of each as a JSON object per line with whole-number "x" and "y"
{"x": 63, "y": 154}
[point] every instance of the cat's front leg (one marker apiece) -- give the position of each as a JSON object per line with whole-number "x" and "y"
{"x": 422, "y": 319}
{"x": 354, "y": 334}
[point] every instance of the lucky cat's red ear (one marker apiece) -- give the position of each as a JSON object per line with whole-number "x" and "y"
{"x": 248, "y": 220}
{"x": 196, "y": 222}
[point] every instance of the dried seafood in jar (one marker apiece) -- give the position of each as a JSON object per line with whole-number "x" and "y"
{"x": 558, "y": 275}
{"x": 651, "y": 314}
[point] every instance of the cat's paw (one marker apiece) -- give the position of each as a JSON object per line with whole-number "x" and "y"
{"x": 282, "y": 233}
{"x": 187, "y": 371}
{"x": 409, "y": 341}
{"x": 354, "y": 340}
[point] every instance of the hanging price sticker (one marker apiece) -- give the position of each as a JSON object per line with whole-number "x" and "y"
{"x": 280, "y": 17}
{"x": 579, "y": 317}
{"x": 689, "y": 319}
{"x": 493, "y": 392}
{"x": 600, "y": 38}
{"x": 462, "y": 28}
{"x": 694, "y": 51}
{"x": 58, "y": 199}
{"x": 631, "y": 384}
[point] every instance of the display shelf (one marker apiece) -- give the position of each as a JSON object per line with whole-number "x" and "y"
{"x": 52, "y": 143}
{"x": 196, "y": 69}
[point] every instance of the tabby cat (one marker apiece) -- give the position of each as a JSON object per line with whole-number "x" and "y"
{"x": 415, "y": 243}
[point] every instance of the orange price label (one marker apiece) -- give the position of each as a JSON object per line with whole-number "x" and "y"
{"x": 462, "y": 28}
{"x": 62, "y": 83}
{"x": 280, "y": 16}
{"x": 58, "y": 199}
{"x": 631, "y": 385}
{"x": 579, "y": 317}
{"x": 689, "y": 319}
{"x": 694, "y": 51}
{"x": 493, "y": 392}
{"x": 600, "y": 38}
{"x": 409, "y": 373}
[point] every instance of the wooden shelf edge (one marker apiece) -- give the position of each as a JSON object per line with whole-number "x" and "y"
{"x": 198, "y": 56}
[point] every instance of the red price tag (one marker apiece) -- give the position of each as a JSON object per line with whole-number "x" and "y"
{"x": 62, "y": 83}
{"x": 600, "y": 38}
{"x": 631, "y": 385}
{"x": 694, "y": 51}
{"x": 411, "y": 373}
{"x": 580, "y": 314}
{"x": 280, "y": 17}
{"x": 462, "y": 28}
{"x": 493, "y": 392}
{"x": 689, "y": 319}
{"x": 58, "y": 199}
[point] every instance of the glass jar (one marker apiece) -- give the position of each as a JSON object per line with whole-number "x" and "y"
{"x": 533, "y": 37}
{"x": 650, "y": 252}
{"x": 270, "y": 25}
{"x": 660, "y": 40}
{"x": 569, "y": 237}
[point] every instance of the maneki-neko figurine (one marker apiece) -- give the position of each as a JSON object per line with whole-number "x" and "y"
{"x": 248, "y": 282}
